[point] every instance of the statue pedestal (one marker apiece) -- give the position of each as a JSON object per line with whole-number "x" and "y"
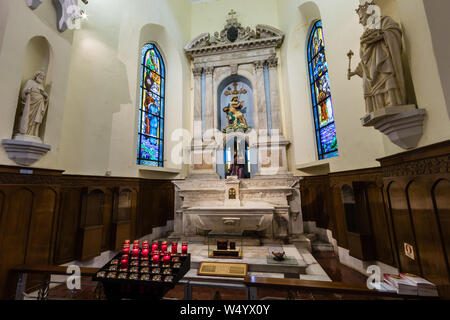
{"x": 203, "y": 160}
{"x": 272, "y": 158}
{"x": 23, "y": 151}
{"x": 402, "y": 124}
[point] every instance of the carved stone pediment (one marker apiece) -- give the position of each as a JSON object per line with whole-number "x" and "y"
{"x": 234, "y": 37}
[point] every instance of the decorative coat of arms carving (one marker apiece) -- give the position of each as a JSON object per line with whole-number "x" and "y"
{"x": 235, "y": 37}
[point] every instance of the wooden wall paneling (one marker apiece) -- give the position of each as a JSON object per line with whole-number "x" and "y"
{"x": 14, "y": 226}
{"x": 156, "y": 204}
{"x": 69, "y": 219}
{"x": 430, "y": 250}
{"x": 363, "y": 243}
{"x": 330, "y": 210}
{"x": 134, "y": 214}
{"x": 108, "y": 218}
{"x": 2, "y": 201}
{"x": 42, "y": 227}
{"x": 441, "y": 202}
{"x": 306, "y": 203}
{"x": 122, "y": 217}
{"x": 41, "y": 232}
{"x": 91, "y": 231}
{"x": 402, "y": 227}
{"x": 380, "y": 225}
{"x": 339, "y": 210}
{"x": 349, "y": 202}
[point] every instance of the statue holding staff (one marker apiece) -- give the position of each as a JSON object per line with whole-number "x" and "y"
{"x": 381, "y": 65}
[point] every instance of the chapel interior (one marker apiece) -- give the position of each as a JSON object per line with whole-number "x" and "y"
{"x": 305, "y": 140}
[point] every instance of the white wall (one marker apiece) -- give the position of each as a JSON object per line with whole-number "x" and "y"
{"x": 21, "y": 25}
{"x": 92, "y": 118}
{"x": 437, "y": 14}
{"x": 101, "y": 122}
{"x": 358, "y": 146}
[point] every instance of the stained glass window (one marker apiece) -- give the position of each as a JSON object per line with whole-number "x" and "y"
{"x": 321, "y": 94}
{"x": 150, "y": 150}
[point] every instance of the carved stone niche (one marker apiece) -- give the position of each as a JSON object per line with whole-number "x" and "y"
{"x": 26, "y": 146}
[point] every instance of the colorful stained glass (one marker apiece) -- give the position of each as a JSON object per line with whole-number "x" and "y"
{"x": 321, "y": 94}
{"x": 150, "y": 149}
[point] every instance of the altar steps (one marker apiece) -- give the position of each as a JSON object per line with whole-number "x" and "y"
{"x": 318, "y": 245}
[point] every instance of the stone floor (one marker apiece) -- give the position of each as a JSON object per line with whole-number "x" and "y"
{"x": 306, "y": 266}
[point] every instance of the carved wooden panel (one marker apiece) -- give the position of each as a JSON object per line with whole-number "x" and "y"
{"x": 91, "y": 232}
{"x": 124, "y": 205}
{"x": 441, "y": 201}
{"x": 403, "y": 232}
{"x": 430, "y": 251}
{"x": 121, "y": 232}
{"x": 339, "y": 212}
{"x": 90, "y": 242}
{"x": 40, "y": 237}
{"x": 68, "y": 225}
{"x": 108, "y": 220}
{"x": 14, "y": 226}
{"x": 380, "y": 225}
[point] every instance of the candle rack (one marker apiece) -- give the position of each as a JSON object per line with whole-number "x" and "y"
{"x": 142, "y": 278}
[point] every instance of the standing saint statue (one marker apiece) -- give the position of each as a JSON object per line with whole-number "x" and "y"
{"x": 34, "y": 100}
{"x": 381, "y": 60}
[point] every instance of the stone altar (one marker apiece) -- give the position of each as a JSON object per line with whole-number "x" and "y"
{"x": 269, "y": 206}
{"x": 268, "y": 203}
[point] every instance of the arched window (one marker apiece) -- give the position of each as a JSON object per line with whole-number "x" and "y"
{"x": 150, "y": 149}
{"x": 319, "y": 79}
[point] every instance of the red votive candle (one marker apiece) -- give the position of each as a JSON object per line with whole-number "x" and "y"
{"x": 126, "y": 242}
{"x": 166, "y": 257}
{"x": 144, "y": 252}
{"x": 135, "y": 252}
{"x": 184, "y": 248}
{"x": 174, "y": 248}
{"x": 154, "y": 246}
{"x": 155, "y": 258}
{"x": 124, "y": 262}
{"x": 145, "y": 243}
{"x": 164, "y": 246}
{"x": 126, "y": 250}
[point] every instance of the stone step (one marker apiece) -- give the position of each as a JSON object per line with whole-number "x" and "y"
{"x": 311, "y": 236}
{"x": 318, "y": 246}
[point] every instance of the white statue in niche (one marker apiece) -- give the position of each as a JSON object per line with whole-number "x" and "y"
{"x": 34, "y": 101}
{"x": 381, "y": 64}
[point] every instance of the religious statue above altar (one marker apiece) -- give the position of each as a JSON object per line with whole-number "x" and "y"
{"x": 235, "y": 111}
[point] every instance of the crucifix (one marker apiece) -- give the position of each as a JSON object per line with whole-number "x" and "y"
{"x": 235, "y": 92}
{"x": 232, "y": 14}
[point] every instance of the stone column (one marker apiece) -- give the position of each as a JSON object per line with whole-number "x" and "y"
{"x": 261, "y": 107}
{"x": 197, "y": 71}
{"x": 275, "y": 115}
{"x": 209, "y": 100}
